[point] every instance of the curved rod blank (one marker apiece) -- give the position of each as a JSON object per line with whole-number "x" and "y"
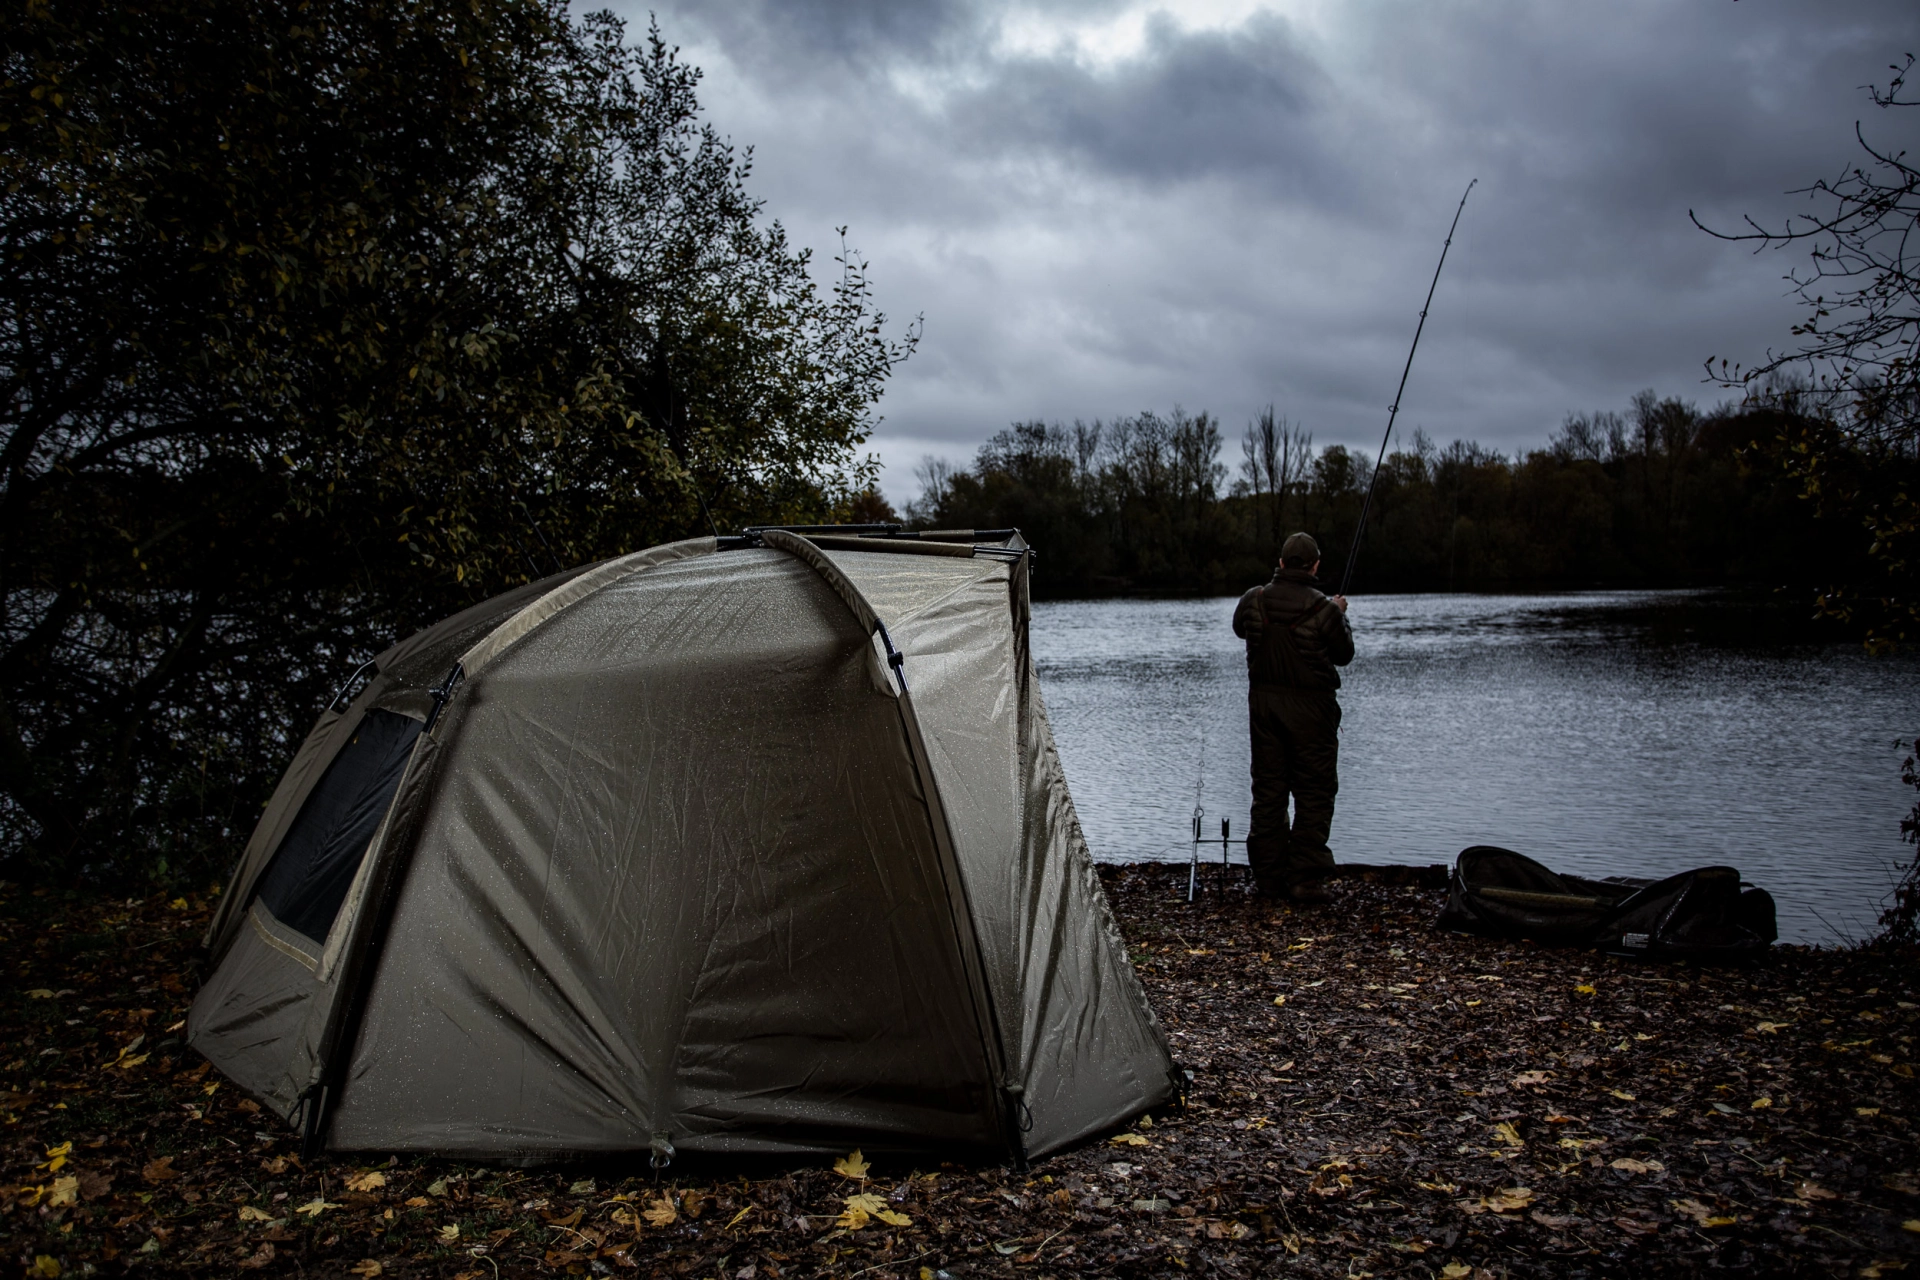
{"x": 1346, "y": 576}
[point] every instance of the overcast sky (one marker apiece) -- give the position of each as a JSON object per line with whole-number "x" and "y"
{"x": 1107, "y": 207}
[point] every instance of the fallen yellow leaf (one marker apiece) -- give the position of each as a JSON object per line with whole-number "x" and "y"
{"x": 1865, "y": 1112}
{"x": 860, "y": 1208}
{"x": 1627, "y": 1164}
{"x": 40, "y": 993}
{"x": 1279, "y": 1000}
{"x": 250, "y": 1214}
{"x": 1506, "y": 1200}
{"x": 65, "y": 1191}
{"x": 735, "y": 1220}
{"x": 1761, "y": 1104}
{"x": 1586, "y": 989}
{"x": 1701, "y": 1215}
{"x": 366, "y": 1268}
{"x": 369, "y": 1181}
{"x": 851, "y": 1165}
{"x": 1129, "y": 1140}
{"x": 1456, "y": 1271}
{"x": 315, "y": 1207}
{"x": 450, "y": 1233}
{"x": 1911, "y": 1224}
{"x": 893, "y": 1219}
{"x": 1621, "y": 1094}
{"x": 660, "y": 1213}
{"x": 1437, "y": 1186}
{"x": 1508, "y": 1134}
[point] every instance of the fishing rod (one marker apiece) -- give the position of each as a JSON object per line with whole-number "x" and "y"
{"x": 1346, "y": 575}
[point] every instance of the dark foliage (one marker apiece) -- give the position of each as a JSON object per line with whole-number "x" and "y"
{"x": 1900, "y": 922}
{"x": 1661, "y": 496}
{"x": 1852, "y": 386}
{"x": 1421, "y": 1104}
{"x": 320, "y": 319}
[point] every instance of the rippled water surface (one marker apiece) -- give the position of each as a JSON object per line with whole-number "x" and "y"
{"x": 1602, "y": 733}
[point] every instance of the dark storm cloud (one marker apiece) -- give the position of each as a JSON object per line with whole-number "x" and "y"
{"x": 823, "y": 41}
{"x": 1238, "y": 105}
{"x": 1099, "y": 212}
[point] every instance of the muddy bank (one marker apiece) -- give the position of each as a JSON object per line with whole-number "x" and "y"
{"x": 1368, "y": 1096}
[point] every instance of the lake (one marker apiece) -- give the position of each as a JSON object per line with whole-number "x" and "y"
{"x": 1603, "y": 733}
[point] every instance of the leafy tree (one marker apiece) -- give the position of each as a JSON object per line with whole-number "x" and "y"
{"x": 322, "y": 318}
{"x": 1850, "y": 392}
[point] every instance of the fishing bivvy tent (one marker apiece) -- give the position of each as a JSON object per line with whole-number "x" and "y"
{"x": 662, "y": 854}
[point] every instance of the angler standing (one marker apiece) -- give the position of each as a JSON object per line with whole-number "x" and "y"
{"x": 1296, "y": 638}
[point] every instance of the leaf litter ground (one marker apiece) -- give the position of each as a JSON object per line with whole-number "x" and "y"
{"x": 1369, "y": 1096}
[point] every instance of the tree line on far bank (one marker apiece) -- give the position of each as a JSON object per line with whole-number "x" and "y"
{"x": 1660, "y": 495}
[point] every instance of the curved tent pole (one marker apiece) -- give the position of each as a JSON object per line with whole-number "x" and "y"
{"x": 406, "y": 810}
{"x": 335, "y": 727}
{"x": 1009, "y": 1092}
{"x": 401, "y": 832}
{"x": 323, "y": 743}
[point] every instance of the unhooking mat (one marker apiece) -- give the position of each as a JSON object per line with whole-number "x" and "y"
{"x": 1705, "y": 914}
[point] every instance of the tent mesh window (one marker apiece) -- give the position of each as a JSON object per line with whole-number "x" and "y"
{"x": 311, "y": 872}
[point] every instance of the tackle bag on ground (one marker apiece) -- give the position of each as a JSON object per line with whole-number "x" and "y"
{"x": 1704, "y": 914}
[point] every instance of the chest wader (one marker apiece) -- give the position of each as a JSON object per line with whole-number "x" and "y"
{"x": 1296, "y": 750}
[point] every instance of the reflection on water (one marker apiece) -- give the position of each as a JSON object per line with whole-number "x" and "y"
{"x": 1630, "y": 733}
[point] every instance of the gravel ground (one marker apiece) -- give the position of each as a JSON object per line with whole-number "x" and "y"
{"x": 1369, "y": 1097}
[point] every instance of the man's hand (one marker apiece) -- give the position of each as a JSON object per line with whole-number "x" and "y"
{"x": 1342, "y": 602}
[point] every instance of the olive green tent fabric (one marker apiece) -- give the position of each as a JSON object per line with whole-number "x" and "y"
{"x": 680, "y": 867}
{"x": 251, "y": 1014}
{"x": 703, "y": 900}
{"x": 1080, "y": 1037}
{"x": 399, "y": 681}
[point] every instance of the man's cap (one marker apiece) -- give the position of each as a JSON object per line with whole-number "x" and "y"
{"x": 1300, "y": 546}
